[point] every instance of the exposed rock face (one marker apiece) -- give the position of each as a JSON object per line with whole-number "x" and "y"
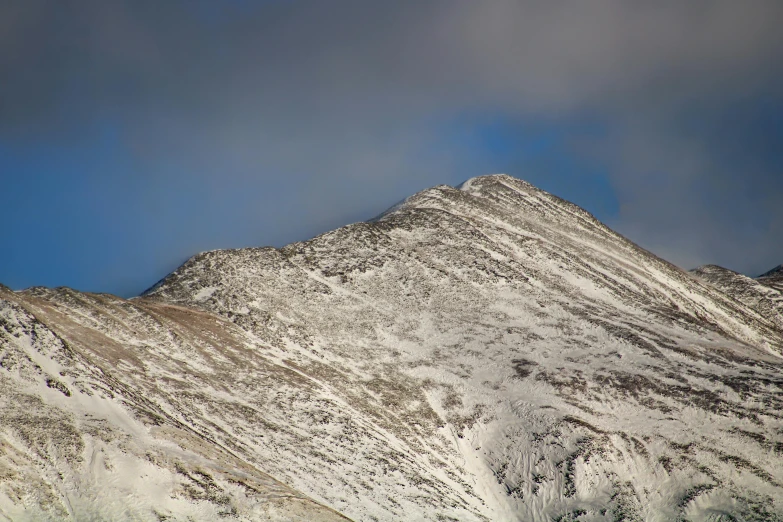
{"x": 486, "y": 352}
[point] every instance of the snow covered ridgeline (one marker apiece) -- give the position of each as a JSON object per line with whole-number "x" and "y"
{"x": 489, "y": 352}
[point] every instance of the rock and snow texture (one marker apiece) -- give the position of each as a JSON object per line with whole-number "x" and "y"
{"x": 488, "y": 352}
{"x": 761, "y": 295}
{"x": 85, "y": 430}
{"x": 773, "y": 278}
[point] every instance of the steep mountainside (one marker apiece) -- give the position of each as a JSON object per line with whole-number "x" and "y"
{"x": 485, "y": 352}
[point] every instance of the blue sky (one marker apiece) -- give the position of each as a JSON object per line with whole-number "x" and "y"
{"x": 135, "y": 134}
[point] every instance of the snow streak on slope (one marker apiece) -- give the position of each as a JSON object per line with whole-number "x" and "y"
{"x": 486, "y": 352}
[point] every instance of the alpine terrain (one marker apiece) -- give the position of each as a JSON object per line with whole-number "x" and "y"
{"x": 488, "y": 352}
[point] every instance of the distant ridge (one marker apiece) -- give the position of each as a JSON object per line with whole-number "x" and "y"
{"x": 757, "y": 294}
{"x": 773, "y": 278}
{"x": 775, "y": 272}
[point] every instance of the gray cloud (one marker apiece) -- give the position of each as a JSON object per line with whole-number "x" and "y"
{"x": 368, "y": 61}
{"x": 347, "y": 98}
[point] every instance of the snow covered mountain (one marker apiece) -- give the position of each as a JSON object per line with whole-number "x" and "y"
{"x": 487, "y": 352}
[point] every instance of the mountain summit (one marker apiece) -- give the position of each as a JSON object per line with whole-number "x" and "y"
{"x": 488, "y": 352}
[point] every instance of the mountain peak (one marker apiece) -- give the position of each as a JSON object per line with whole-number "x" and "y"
{"x": 499, "y": 177}
{"x": 712, "y": 269}
{"x": 473, "y": 186}
{"x": 503, "y": 195}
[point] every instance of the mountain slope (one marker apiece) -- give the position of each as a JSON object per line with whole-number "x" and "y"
{"x": 773, "y": 278}
{"x": 84, "y": 433}
{"x": 759, "y": 296}
{"x": 486, "y": 352}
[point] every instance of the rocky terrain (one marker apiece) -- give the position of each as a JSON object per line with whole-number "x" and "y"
{"x": 773, "y": 278}
{"x": 488, "y": 352}
{"x": 763, "y": 294}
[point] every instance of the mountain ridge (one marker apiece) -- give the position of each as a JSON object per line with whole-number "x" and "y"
{"x": 762, "y": 297}
{"x": 778, "y": 270}
{"x": 773, "y": 278}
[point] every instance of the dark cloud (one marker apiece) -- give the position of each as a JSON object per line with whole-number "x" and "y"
{"x": 320, "y": 58}
{"x": 348, "y": 99}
